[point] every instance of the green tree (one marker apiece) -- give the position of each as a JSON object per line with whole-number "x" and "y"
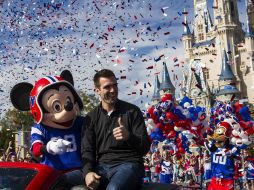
{"x": 6, "y": 135}
{"x": 12, "y": 121}
{"x": 90, "y": 101}
{"x": 16, "y": 120}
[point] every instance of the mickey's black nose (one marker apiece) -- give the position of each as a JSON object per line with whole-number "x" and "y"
{"x": 68, "y": 106}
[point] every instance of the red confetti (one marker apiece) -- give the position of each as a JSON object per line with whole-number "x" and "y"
{"x": 91, "y": 45}
{"x": 118, "y": 61}
{"x": 121, "y": 50}
{"x": 150, "y": 67}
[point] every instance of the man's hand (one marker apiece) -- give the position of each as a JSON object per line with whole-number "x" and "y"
{"x": 92, "y": 180}
{"x": 121, "y": 133}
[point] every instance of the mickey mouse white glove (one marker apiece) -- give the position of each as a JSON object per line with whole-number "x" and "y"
{"x": 57, "y": 146}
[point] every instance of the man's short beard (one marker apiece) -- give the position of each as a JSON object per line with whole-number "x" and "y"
{"x": 110, "y": 101}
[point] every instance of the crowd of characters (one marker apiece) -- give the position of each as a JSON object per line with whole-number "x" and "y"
{"x": 194, "y": 170}
{"x": 195, "y": 146}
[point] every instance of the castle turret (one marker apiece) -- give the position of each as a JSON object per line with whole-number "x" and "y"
{"x": 250, "y": 15}
{"x": 250, "y": 18}
{"x": 249, "y": 35}
{"x": 156, "y": 92}
{"x": 226, "y": 72}
{"x": 229, "y": 31}
{"x": 166, "y": 85}
{"x": 227, "y": 81}
{"x": 203, "y": 22}
{"x": 226, "y": 12}
{"x": 187, "y": 38}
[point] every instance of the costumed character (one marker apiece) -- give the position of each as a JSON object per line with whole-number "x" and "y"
{"x": 207, "y": 168}
{"x": 166, "y": 173}
{"x": 56, "y": 136}
{"x": 222, "y": 157}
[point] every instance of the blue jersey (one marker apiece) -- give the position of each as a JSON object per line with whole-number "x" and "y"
{"x": 222, "y": 166}
{"x": 69, "y": 160}
{"x": 250, "y": 170}
{"x": 207, "y": 170}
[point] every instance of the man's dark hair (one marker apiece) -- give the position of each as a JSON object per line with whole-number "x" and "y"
{"x": 105, "y": 73}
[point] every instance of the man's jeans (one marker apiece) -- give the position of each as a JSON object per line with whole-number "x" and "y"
{"x": 126, "y": 176}
{"x": 74, "y": 177}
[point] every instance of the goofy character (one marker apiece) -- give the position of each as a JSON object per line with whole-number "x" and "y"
{"x": 222, "y": 157}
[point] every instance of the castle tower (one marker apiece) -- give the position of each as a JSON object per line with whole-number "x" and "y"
{"x": 226, "y": 81}
{"x": 229, "y": 32}
{"x": 226, "y": 12}
{"x": 206, "y": 60}
{"x": 166, "y": 85}
{"x": 247, "y": 66}
{"x": 156, "y": 92}
{"x": 250, "y": 17}
{"x": 249, "y": 36}
{"x": 187, "y": 38}
{"x": 202, "y": 22}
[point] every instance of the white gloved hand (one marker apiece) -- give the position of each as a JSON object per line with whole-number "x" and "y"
{"x": 57, "y": 146}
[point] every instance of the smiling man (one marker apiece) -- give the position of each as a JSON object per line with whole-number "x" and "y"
{"x": 114, "y": 141}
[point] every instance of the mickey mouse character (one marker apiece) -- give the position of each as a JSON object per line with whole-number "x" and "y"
{"x": 56, "y": 136}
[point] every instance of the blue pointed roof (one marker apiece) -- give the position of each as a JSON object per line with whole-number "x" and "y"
{"x": 156, "y": 93}
{"x": 166, "y": 83}
{"x": 186, "y": 31}
{"x": 226, "y": 72}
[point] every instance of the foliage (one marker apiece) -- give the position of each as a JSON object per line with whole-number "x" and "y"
{"x": 5, "y": 136}
{"x": 12, "y": 121}
{"x": 90, "y": 101}
{"x": 16, "y": 120}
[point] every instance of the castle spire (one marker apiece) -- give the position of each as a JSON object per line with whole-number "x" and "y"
{"x": 226, "y": 72}
{"x": 209, "y": 23}
{"x": 227, "y": 86}
{"x": 186, "y": 30}
{"x": 166, "y": 83}
{"x": 156, "y": 93}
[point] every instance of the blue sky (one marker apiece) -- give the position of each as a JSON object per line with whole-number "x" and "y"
{"x": 39, "y": 38}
